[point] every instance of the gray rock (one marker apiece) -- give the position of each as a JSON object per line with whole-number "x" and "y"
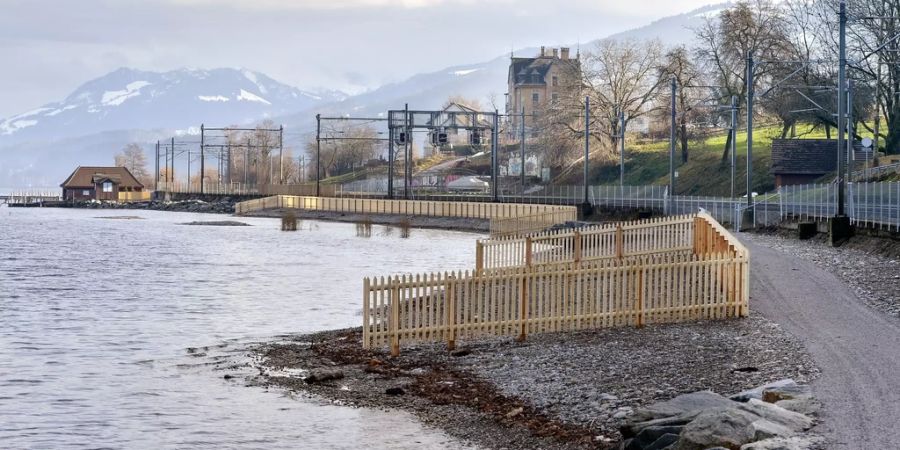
{"x": 757, "y": 392}
{"x": 763, "y": 429}
{"x": 789, "y": 392}
{"x": 664, "y": 442}
{"x": 648, "y": 437}
{"x": 678, "y": 406}
{"x": 793, "y": 421}
{"x": 789, "y": 443}
{"x": 725, "y": 427}
{"x": 321, "y": 375}
{"x": 630, "y": 429}
{"x": 803, "y": 405}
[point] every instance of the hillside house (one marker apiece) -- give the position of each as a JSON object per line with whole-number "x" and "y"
{"x": 535, "y": 82}
{"x": 102, "y": 183}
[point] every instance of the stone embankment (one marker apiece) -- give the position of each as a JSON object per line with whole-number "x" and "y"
{"x": 223, "y": 206}
{"x": 555, "y": 391}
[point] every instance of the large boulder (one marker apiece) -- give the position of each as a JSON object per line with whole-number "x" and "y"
{"x": 788, "y": 443}
{"x": 723, "y": 427}
{"x": 681, "y": 405}
{"x": 793, "y": 421}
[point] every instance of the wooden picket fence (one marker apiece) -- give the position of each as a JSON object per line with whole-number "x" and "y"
{"x": 474, "y": 210}
{"x": 523, "y": 225}
{"x": 624, "y": 239}
{"x": 707, "y": 279}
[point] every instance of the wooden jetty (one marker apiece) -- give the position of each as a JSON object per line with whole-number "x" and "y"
{"x": 27, "y": 199}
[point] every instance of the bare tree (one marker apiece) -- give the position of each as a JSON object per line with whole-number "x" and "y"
{"x": 617, "y": 76}
{"x": 754, "y": 27}
{"x": 132, "y": 157}
{"x": 344, "y": 148}
{"x": 679, "y": 65}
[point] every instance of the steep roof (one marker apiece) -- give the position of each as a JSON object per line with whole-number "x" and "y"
{"x": 85, "y": 177}
{"x": 804, "y": 156}
{"x": 534, "y": 70}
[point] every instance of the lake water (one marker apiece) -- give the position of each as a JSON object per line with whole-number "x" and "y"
{"x": 97, "y": 315}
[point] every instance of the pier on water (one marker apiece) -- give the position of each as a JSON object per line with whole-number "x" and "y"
{"x": 30, "y": 198}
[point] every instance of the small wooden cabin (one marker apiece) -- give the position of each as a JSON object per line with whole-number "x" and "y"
{"x": 99, "y": 183}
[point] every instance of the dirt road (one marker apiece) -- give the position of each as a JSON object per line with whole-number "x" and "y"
{"x": 856, "y": 347}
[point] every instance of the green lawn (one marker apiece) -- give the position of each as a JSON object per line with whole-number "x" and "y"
{"x": 704, "y": 173}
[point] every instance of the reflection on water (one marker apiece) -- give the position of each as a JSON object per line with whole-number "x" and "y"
{"x": 97, "y": 315}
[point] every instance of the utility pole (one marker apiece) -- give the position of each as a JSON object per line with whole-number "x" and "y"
{"x": 173, "y": 164}
{"x": 202, "y": 161}
{"x": 406, "y": 151}
{"x": 228, "y": 179}
{"x": 733, "y": 139}
{"x": 587, "y": 148}
{"x": 390, "y": 154}
{"x": 246, "y": 162}
{"x": 495, "y": 129}
{"x": 842, "y": 81}
{"x": 318, "y": 151}
{"x": 281, "y": 154}
{"x": 750, "y": 83}
{"x": 523, "y": 149}
{"x": 622, "y": 149}
{"x": 156, "y": 180}
{"x": 674, "y": 89}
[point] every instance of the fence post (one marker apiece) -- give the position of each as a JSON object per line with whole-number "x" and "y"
{"x": 528, "y": 251}
{"x": 640, "y": 295}
{"x": 620, "y": 242}
{"x": 698, "y": 235}
{"x": 449, "y": 291}
{"x": 395, "y": 317}
{"x": 577, "y": 250}
{"x": 523, "y": 304}
{"x": 365, "y": 313}
{"x": 479, "y": 257}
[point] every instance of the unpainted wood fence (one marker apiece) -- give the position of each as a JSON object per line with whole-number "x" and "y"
{"x": 474, "y": 210}
{"x": 534, "y": 223}
{"x": 707, "y": 279}
{"x": 616, "y": 240}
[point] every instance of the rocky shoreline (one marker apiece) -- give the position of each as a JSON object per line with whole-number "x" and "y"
{"x": 557, "y": 391}
{"x": 223, "y": 206}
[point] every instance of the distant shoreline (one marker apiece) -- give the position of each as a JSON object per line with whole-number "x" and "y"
{"x": 227, "y": 207}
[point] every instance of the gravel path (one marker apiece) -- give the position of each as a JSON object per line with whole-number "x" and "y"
{"x": 856, "y": 348}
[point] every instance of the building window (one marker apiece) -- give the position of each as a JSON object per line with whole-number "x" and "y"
{"x": 554, "y": 96}
{"x": 535, "y": 97}
{"x": 107, "y": 186}
{"x": 555, "y": 80}
{"x": 85, "y": 192}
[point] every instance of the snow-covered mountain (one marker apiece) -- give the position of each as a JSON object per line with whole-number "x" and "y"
{"x": 486, "y": 81}
{"x": 132, "y": 99}
{"x": 103, "y": 115}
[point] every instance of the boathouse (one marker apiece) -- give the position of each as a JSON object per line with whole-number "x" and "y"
{"x": 100, "y": 183}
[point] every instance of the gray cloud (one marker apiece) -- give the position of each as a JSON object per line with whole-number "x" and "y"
{"x": 51, "y": 47}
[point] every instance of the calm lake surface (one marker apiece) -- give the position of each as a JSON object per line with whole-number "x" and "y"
{"x": 97, "y": 316}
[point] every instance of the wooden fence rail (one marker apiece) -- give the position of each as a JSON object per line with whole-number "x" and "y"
{"x": 705, "y": 279}
{"x": 627, "y": 239}
{"x": 475, "y": 210}
{"x": 522, "y": 225}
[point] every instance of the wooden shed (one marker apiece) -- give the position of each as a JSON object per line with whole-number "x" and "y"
{"x": 99, "y": 183}
{"x": 802, "y": 161}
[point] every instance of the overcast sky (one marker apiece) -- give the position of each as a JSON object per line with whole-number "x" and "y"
{"x": 48, "y": 48}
